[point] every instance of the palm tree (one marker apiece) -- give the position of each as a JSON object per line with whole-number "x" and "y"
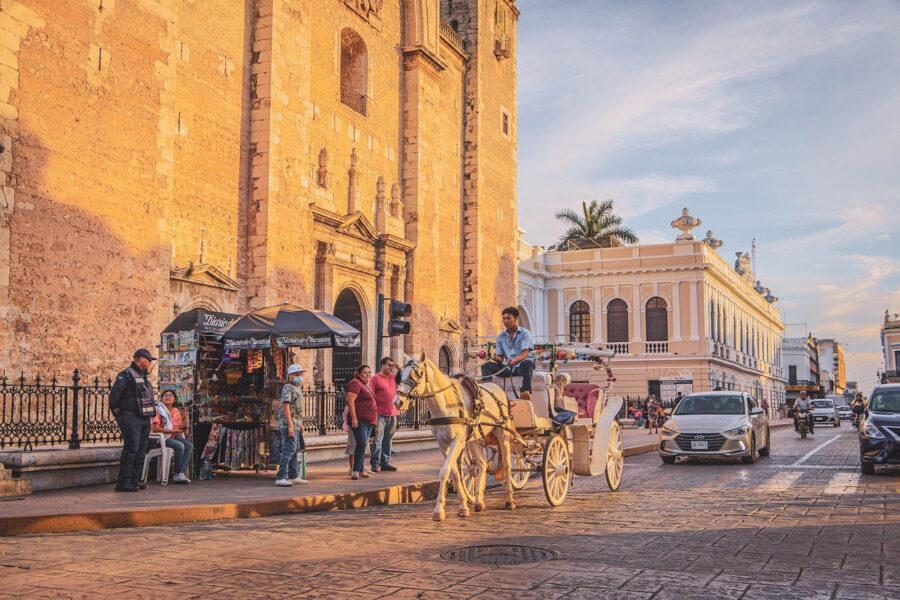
{"x": 598, "y": 223}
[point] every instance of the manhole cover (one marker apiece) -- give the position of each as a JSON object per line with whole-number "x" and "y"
{"x": 499, "y": 555}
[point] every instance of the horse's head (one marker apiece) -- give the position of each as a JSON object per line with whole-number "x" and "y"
{"x": 413, "y": 378}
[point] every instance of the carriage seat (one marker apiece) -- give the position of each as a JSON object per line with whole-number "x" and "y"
{"x": 534, "y": 413}
{"x": 586, "y": 394}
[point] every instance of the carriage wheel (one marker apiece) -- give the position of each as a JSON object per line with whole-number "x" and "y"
{"x": 615, "y": 457}
{"x": 519, "y": 478}
{"x": 556, "y": 471}
{"x": 468, "y": 471}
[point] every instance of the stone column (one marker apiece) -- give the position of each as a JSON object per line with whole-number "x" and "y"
{"x": 323, "y": 298}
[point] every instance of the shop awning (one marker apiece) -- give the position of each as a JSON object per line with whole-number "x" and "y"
{"x": 202, "y": 320}
{"x": 292, "y": 327}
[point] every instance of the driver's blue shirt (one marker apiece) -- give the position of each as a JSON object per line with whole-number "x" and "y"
{"x": 511, "y": 347}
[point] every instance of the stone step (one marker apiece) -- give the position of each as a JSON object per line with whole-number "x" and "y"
{"x": 14, "y": 487}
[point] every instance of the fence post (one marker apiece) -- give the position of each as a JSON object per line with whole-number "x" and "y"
{"x": 416, "y": 420}
{"x": 74, "y": 442}
{"x": 320, "y": 406}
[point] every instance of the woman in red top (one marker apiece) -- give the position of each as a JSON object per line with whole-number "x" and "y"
{"x": 362, "y": 416}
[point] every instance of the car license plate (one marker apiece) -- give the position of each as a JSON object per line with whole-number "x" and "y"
{"x": 699, "y": 445}
{"x": 821, "y": 418}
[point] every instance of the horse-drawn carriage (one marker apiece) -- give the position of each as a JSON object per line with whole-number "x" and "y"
{"x": 564, "y": 429}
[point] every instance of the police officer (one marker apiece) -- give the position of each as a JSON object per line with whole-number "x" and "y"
{"x": 131, "y": 401}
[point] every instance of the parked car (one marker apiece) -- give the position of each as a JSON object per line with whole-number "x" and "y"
{"x": 825, "y": 412}
{"x": 844, "y": 412}
{"x": 716, "y": 424}
{"x": 879, "y": 437}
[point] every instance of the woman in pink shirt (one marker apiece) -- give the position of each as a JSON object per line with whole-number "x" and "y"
{"x": 168, "y": 420}
{"x": 362, "y": 414}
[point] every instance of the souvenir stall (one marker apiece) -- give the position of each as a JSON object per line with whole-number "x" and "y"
{"x": 256, "y": 351}
{"x": 222, "y": 393}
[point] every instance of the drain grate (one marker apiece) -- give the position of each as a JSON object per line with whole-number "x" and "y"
{"x": 499, "y": 555}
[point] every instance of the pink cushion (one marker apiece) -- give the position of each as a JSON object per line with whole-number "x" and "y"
{"x": 586, "y": 394}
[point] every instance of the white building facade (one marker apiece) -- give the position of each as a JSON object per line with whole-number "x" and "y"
{"x": 679, "y": 317}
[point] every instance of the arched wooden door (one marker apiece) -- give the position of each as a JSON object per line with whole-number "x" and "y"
{"x": 345, "y": 360}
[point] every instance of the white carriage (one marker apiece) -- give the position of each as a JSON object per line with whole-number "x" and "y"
{"x": 543, "y": 440}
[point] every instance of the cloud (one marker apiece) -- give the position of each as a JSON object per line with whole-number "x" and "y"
{"x": 684, "y": 82}
{"x": 632, "y": 197}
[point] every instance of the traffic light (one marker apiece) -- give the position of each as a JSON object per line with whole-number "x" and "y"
{"x": 399, "y": 311}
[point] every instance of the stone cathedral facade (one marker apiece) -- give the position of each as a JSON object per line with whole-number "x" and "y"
{"x": 162, "y": 155}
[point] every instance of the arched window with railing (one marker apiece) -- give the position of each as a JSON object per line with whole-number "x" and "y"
{"x": 617, "y": 321}
{"x": 657, "y": 320}
{"x": 354, "y": 71}
{"x": 580, "y": 322}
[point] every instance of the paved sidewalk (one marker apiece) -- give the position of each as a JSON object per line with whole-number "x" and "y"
{"x": 239, "y": 494}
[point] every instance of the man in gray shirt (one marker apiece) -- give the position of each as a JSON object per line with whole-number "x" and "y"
{"x": 802, "y": 403}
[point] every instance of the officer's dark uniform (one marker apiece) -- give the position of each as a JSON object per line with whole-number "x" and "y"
{"x": 132, "y": 391}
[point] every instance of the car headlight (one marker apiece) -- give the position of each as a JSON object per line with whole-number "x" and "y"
{"x": 869, "y": 430}
{"x": 668, "y": 429}
{"x": 737, "y": 430}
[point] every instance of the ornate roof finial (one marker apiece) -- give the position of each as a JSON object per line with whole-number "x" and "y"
{"x": 685, "y": 223}
{"x": 711, "y": 241}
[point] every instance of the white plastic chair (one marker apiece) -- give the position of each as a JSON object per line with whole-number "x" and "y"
{"x": 165, "y": 457}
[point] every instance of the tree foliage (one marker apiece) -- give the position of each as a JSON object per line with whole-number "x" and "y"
{"x": 597, "y": 222}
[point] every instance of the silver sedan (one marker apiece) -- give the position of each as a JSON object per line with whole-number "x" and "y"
{"x": 716, "y": 424}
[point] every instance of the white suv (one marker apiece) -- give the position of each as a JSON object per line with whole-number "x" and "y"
{"x": 825, "y": 412}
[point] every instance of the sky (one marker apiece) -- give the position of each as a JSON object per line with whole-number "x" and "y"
{"x": 775, "y": 120}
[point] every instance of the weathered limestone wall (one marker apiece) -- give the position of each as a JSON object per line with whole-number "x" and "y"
{"x": 497, "y": 221}
{"x": 144, "y": 138}
{"x": 125, "y": 126}
{"x": 489, "y": 217}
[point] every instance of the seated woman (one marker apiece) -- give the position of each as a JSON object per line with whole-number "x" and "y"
{"x": 168, "y": 420}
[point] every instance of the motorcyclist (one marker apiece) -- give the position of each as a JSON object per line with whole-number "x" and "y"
{"x": 858, "y": 407}
{"x": 802, "y": 404}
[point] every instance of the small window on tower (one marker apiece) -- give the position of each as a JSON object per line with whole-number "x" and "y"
{"x": 505, "y": 124}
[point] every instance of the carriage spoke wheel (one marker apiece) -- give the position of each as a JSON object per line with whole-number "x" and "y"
{"x": 468, "y": 471}
{"x": 556, "y": 470}
{"x": 615, "y": 457}
{"x": 519, "y": 478}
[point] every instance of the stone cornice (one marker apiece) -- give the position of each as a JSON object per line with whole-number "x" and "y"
{"x": 413, "y": 52}
{"x": 215, "y": 278}
{"x": 397, "y": 243}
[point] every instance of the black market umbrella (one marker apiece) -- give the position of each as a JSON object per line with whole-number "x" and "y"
{"x": 202, "y": 320}
{"x": 292, "y": 327}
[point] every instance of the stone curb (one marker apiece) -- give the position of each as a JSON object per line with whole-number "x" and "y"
{"x": 87, "y": 521}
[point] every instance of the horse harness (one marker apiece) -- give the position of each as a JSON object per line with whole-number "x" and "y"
{"x": 472, "y": 422}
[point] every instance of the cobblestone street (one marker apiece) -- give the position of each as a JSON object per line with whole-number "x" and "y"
{"x": 801, "y": 524}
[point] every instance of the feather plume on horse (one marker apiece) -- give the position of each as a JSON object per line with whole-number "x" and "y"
{"x": 457, "y": 422}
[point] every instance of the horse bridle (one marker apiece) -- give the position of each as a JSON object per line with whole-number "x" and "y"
{"x": 408, "y": 381}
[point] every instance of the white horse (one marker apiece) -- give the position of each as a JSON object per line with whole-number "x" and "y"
{"x": 455, "y": 424}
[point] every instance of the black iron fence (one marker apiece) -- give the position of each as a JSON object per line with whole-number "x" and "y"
{"x": 55, "y": 413}
{"x": 52, "y": 413}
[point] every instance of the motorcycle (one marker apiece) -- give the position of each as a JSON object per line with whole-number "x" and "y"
{"x": 803, "y": 423}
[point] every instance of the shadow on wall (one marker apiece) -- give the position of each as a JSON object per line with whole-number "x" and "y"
{"x": 78, "y": 296}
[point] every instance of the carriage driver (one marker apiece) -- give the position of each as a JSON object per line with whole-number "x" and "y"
{"x": 512, "y": 354}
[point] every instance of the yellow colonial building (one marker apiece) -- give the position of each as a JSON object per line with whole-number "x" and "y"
{"x": 160, "y": 156}
{"x": 679, "y": 317}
